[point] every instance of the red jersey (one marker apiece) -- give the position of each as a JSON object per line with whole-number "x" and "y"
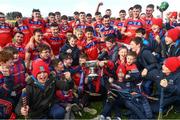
{"x": 27, "y": 33}
{"x": 80, "y": 25}
{"x": 131, "y": 26}
{"x": 20, "y": 48}
{"x": 56, "y": 42}
{"x": 64, "y": 28}
{"x": 148, "y": 22}
{"x": 34, "y": 51}
{"x": 92, "y": 49}
{"x": 47, "y": 27}
{"x": 6, "y": 34}
{"x": 40, "y": 24}
{"x": 97, "y": 26}
{"x": 119, "y": 24}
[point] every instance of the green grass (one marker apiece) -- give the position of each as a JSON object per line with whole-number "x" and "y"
{"x": 98, "y": 107}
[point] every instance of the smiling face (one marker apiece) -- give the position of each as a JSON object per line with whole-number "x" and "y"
{"x": 45, "y": 54}
{"x": 42, "y": 77}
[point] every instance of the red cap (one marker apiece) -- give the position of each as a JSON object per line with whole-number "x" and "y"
{"x": 39, "y": 66}
{"x": 172, "y": 63}
{"x": 173, "y": 34}
{"x": 173, "y": 14}
{"x": 157, "y": 21}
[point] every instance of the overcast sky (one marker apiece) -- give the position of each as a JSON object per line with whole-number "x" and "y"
{"x": 67, "y": 7}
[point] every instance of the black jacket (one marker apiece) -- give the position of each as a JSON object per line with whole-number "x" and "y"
{"x": 146, "y": 59}
{"x": 75, "y": 53}
{"x": 173, "y": 88}
{"x": 40, "y": 100}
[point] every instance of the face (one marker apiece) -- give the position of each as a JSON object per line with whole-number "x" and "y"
{"x": 89, "y": 19}
{"x": 42, "y": 77}
{"x": 72, "y": 42}
{"x": 79, "y": 35}
{"x": 168, "y": 40}
{"x": 36, "y": 15}
{"x": 89, "y": 35}
{"x": 68, "y": 34}
{"x": 149, "y": 11}
{"x": 2, "y": 18}
{"x": 134, "y": 47}
{"x": 139, "y": 35}
{"x": 64, "y": 21}
{"x": 51, "y": 19}
{"x": 136, "y": 13}
{"x": 143, "y": 16}
{"x": 60, "y": 66}
{"x": 120, "y": 75}
{"x": 108, "y": 12}
{"x": 122, "y": 53}
{"x": 19, "y": 38}
{"x": 9, "y": 63}
{"x": 45, "y": 54}
{"x": 57, "y": 17}
{"x": 98, "y": 17}
{"x": 82, "y": 17}
{"x": 155, "y": 28}
{"x": 165, "y": 70}
{"x": 109, "y": 45}
{"x": 15, "y": 57}
{"x": 82, "y": 61}
{"x": 55, "y": 30}
{"x": 38, "y": 37}
{"x": 68, "y": 62}
{"x": 106, "y": 22}
{"x": 76, "y": 17}
{"x": 130, "y": 12}
{"x": 122, "y": 15}
{"x": 130, "y": 60}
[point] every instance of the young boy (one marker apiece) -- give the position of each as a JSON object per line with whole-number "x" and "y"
{"x": 6, "y": 84}
{"x": 44, "y": 53}
{"x": 91, "y": 47}
{"x": 172, "y": 43}
{"x": 18, "y": 72}
{"x": 40, "y": 91}
{"x": 71, "y": 48}
{"x": 171, "y": 83}
{"x": 132, "y": 72}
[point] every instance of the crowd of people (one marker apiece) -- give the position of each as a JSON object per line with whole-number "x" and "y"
{"x": 56, "y": 68}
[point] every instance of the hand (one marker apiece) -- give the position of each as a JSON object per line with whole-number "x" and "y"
{"x": 101, "y": 63}
{"x": 127, "y": 76}
{"x": 133, "y": 93}
{"x": 5, "y": 71}
{"x": 69, "y": 51}
{"x": 31, "y": 42}
{"x": 164, "y": 83}
{"x": 129, "y": 34}
{"x": 67, "y": 75}
{"x": 144, "y": 72}
{"x": 100, "y": 4}
{"x": 24, "y": 110}
{"x": 157, "y": 38}
{"x": 111, "y": 80}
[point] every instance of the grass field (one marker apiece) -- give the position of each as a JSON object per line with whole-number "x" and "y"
{"x": 98, "y": 107}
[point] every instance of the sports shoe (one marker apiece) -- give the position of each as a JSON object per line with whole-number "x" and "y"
{"x": 90, "y": 110}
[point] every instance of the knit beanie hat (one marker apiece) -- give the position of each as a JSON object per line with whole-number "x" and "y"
{"x": 158, "y": 22}
{"x": 173, "y": 14}
{"x": 173, "y": 34}
{"x": 172, "y": 63}
{"x": 39, "y": 66}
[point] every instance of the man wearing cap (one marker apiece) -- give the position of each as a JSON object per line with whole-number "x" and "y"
{"x": 40, "y": 93}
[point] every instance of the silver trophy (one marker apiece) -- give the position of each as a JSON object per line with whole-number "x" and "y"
{"x": 92, "y": 66}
